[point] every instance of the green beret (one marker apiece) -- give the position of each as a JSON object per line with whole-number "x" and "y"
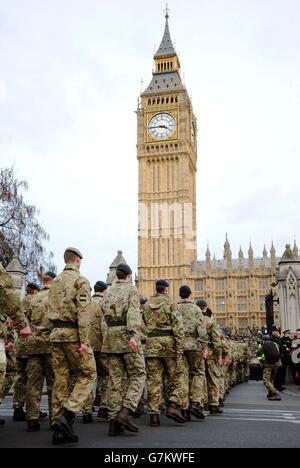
{"x": 50, "y": 274}
{"x": 101, "y": 285}
{"x": 201, "y": 303}
{"x": 74, "y": 251}
{"x": 124, "y": 268}
{"x": 33, "y": 286}
{"x": 162, "y": 283}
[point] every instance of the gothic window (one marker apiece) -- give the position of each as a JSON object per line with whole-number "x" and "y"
{"x": 167, "y": 100}
{"x": 220, "y": 304}
{"x": 149, "y": 102}
{"x": 171, "y": 65}
{"x": 220, "y": 285}
{"x": 163, "y": 100}
{"x": 242, "y": 304}
{"x": 263, "y": 283}
{"x": 176, "y": 100}
{"x": 154, "y": 102}
{"x": 262, "y": 303}
{"x": 242, "y": 284}
{"x": 172, "y": 100}
{"x": 158, "y": 101}
{"x": 243, "y": 324}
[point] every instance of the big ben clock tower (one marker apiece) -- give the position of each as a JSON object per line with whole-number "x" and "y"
{"x": 167, "y": 157}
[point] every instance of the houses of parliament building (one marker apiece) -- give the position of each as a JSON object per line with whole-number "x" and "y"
{"x": 235, "y": 288}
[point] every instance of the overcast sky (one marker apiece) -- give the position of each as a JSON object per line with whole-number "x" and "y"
{"x": 70, "y": 76}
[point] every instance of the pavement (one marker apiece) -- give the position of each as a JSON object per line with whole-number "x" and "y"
{"x": 249, "y": 421}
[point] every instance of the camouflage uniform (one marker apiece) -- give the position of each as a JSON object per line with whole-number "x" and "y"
{"x": 165, "y": 339}
{"x": 69, "y": 310}
{"x": 121, "y": 308}
{"x": 9, "y": 306}
{"x": 11, "y": 361}
{"x": 224, "y": 368}
{"x": 21, "y": 349}
{"x": 214, "y": 355}
{"x": 39, "y": 351}
{"x": 97, "y": 333}
{"x": 193, "y": 361}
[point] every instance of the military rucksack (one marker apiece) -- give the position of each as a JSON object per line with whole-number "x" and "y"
{"x": 271, "y": 351}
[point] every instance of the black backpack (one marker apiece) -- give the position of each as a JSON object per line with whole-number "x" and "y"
{"x": 271, "y": 352}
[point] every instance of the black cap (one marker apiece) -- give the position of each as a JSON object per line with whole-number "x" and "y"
{"x": 274, "y": 328}
{"x": 33, "y": 286}
{"x": 50, "y": 274}
{"x": 143, "y": 301}
{"x": 185, "y": 292}
{"x": 162, "y": 283}
{"x": 208, "y": 312}
{"x": 101, "y": 285}
{"x": 124, "y": 268}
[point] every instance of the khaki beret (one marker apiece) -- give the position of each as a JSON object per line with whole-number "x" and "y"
{"x": 75, "y": 251}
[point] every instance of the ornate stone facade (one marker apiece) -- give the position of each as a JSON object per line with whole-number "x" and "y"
{"x": 167, "y": 158}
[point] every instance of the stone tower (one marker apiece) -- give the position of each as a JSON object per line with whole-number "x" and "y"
{"x": 167, "y": 158}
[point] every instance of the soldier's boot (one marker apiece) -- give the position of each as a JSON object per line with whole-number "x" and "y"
{"x": 275, "y": 398}
{"x": 154, "y": 420}
{"x": 115, "y": 428}
{"x": 33, "y": 426}
{"x": 197, "y": 411}
{"x": 221, "y": 403}
{"x": 140, "y": 410}
{"x": 103, "y": 413}
{"x": 66, "y": 422}
{"x": 19, "y": 415}
{"x": 43, "y": 415}
{"x": 186, "y": 414}
{"x": 215, "y": 410}
{"x": 59, "y": 437}
{"x": 2, "y": 422}
{"x": 87, "y": 419}
{"x": 174, "y": 413}
{"x": 97, "y": 400}
{"x": 125, "y": 418}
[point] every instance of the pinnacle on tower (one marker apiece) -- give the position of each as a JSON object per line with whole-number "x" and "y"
{"x": 295, "y": 250}
{"x": 265, "y": 253}
{"x": 166, "y": 48}
{"x": 241, "y": 254}
{"x": 250, "y": 251}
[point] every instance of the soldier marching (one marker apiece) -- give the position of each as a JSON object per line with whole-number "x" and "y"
{"x": 171, "y": 357}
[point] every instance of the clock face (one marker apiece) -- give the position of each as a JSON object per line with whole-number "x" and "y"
{"x": 162, "y": 126}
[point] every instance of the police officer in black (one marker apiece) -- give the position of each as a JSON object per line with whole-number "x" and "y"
{"x": 285, "y": 348}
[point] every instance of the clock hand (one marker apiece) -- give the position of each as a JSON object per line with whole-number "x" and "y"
{"x": 159, "y": 126}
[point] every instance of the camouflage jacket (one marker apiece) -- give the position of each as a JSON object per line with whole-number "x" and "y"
{"x": 194, "y": 326}
{"x": 70, "y": 301}
{"x": 21, "y": 345}
{"x": 39, "y": 342}
{"x": 9, "y": 302}
{"x": 121, "y": 307}
{"x": 98, "y": 324}
{"x": 214, "y": 339}
{"x": 162, "y": 317}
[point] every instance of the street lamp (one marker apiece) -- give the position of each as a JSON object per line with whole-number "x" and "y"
{"x": 269, "y": 302}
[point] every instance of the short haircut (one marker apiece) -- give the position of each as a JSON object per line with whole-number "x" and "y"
{"x": 160, "y": 289}
{"x": 121, "y": 275}
{"x": 298, "y": 330}
{"x": 70, "y": 257}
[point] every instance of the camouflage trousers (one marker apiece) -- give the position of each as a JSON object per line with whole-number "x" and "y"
{"x": 270, "y": 373}
{"x": 133, "y": 364}
{"x": 102, "y": 384}
{"x": 194, "y": 376}
{"x": 10, "y": 374}
{"x": 213, "y": 382}
{"x": 232, "y": 375}
{"x": 2, "y": 364}
{"x": 20, "y": 383}
{"x": 157, "y": 369}
{"x": 39, "y": 367}
{"x": 66, "y": 359}
{"x": 222, "y": 381}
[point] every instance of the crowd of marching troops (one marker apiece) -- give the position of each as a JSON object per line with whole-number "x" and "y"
{"x": 112, "y": 349}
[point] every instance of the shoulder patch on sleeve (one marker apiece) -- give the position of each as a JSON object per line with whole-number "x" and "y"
{"x": 178, "y": 315}
{"x": 83, "y": 298}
